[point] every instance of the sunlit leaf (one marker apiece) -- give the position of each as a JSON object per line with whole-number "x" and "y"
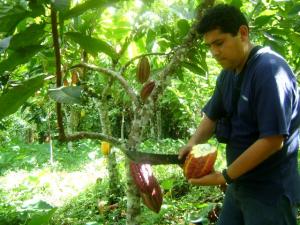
{"x": 81, "y": 8}
{"x": 262, "y": 20}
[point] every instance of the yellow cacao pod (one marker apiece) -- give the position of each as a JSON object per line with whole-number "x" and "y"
{"x": 143, "y": 70}
{"x": 105, "y": 147}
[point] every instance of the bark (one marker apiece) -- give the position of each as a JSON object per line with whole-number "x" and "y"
{"x": 55, "y": 38}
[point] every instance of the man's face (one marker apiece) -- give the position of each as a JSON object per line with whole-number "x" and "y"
{"x": 228, "y": 50}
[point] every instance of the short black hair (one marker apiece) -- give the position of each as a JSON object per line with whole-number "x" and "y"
{"x": 225, "y": 17}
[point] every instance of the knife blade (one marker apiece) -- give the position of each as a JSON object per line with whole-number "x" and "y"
{"x": 153, "y": 158}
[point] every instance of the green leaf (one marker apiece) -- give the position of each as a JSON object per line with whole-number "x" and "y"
{"x": 183, "y": 26}
{"x": 10, "y": 19}
{"x": 67, "y": 95}
{"x": 193, "y": 68}
{"x": 296, "y": 38}
{"x": 31, "y": 36}
{"x": 262, "y": 20}
{"x": 61, "y": 5}
{"x": 81, "y": 8}
{"x": 92, "y": 45}
{"x": 295, "y": 10}
{"x": 150, "y": 39}
{"x": 42, "y": 219}
{"x": 19, "y": 57}
{"x": 237, "y": 3}
{"x": 15, "y": 97}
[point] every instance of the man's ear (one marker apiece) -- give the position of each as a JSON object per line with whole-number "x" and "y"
{"x": 244, "y": 32}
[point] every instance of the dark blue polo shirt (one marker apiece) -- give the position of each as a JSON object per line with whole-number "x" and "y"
{"x": 268, "y": 105}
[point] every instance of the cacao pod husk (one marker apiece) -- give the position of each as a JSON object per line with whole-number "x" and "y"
{"x": 105, "y": 148}
{"x": 147, "y": 185}
{"x": 200, "y": 161}
{"x": 143, "y": 70}
{"x": 147, "y": 90}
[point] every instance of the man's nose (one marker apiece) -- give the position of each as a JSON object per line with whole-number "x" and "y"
{"x": 215, "y": 52}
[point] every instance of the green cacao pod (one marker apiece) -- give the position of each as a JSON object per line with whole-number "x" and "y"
{"x": 147, "y": 185}
{"x": 147, "y": 90}
{"x": 200, "y": 161}
{"x": 143, "y": 70}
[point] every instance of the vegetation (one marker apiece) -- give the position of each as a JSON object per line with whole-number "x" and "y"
{"x": 68, "y": 81}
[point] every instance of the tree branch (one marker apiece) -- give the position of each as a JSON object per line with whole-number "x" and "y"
{"x": 122, "y": 71}
{"x": 55, "y": 38}
{"x": 92, "y": 135}
{"x": 113, "y": 74}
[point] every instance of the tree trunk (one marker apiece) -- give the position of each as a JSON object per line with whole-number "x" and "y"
{"x": 141, "y": 119}
{"x": 115, "y": 188}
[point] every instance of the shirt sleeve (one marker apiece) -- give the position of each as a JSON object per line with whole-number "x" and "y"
{"x": 214, "y": 107}
{"x": 273, "y": 97}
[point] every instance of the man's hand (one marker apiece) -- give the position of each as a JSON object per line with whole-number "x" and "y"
{"x": 214, "y": 178}
{"x": 184, "y": 151}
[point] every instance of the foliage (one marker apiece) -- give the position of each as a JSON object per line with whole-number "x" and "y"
{"x": 109, "y": 34}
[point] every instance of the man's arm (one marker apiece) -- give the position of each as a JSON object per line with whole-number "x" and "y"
{"x": 258, "y": 152}
{"x": 204, "y": 131}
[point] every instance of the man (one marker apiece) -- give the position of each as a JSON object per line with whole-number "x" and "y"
{"x": 255, "y": 110}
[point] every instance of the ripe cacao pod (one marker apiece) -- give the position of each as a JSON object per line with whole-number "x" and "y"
{"x": 147, "y": 185}
{"x": 105, "y": 148}
{"x": 200, "y": 161}
{"x": 147, "y": 90}
{"x": 143, "y": 70}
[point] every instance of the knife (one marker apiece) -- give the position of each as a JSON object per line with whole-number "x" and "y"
{"x": 153, "y": 158}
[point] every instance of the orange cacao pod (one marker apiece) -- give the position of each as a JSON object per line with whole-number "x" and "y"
{"x": 147, "y": 90}
{"x": 147, "y": 185}
{"x": 143, "y": 70}
{"x": 200, "y": 161}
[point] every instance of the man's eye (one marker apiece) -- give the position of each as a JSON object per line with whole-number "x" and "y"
{"x": 219, "y": 44}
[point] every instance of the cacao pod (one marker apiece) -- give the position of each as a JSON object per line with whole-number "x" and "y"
{"x": 105, "y": 148}
{"x": 147, "y": 185}
{"x": 75, "y": 77}
{"x": 143, "y": 70}
{"x": 200, "y": 161}
{"x": 147, "y": 90}
{"x": 66, "y": 83}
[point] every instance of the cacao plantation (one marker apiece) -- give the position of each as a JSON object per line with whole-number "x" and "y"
{"x": 80, "y": 76}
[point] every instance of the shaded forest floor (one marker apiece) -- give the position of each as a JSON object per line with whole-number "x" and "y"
{"x": 70, "y": 190}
